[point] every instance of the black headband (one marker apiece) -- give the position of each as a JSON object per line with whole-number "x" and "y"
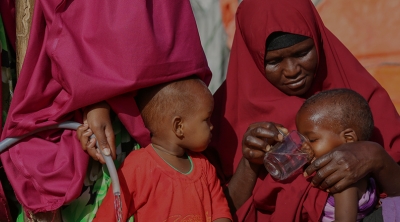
{"x": 280, "y": 40}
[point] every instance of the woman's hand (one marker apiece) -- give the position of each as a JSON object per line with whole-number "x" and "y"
{"x": 256, "y": 141}
{"x": 97, "y": 121}
{"x": 345, "y": 165}
{"x": 259, "y": 138}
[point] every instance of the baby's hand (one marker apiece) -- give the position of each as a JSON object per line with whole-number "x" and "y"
{"x": 88, "y": 144}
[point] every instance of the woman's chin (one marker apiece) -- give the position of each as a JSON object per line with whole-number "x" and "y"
{"x": 296, "y": 92}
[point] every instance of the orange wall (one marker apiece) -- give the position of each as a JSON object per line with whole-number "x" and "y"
{"x": 370, "y": 30}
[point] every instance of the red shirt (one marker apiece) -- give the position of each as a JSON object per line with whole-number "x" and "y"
{"x": 153, "y": 191}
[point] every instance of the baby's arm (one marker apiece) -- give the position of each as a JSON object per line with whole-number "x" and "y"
{"x": 346, "y": 202}
{"x": 219, "y": 203}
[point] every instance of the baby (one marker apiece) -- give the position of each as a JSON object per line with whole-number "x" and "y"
{"x": 170, "y": 180}
{"x": 329, "y": 119}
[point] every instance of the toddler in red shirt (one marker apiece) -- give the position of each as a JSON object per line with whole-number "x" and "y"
{"x": 170, "y": 180}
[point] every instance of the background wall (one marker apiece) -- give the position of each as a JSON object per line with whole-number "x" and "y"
{"x": 370, "y": 30}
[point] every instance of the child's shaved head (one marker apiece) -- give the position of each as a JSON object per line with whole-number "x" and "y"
{"x": 340, "y": 109}
{"x": 162, "y": 102}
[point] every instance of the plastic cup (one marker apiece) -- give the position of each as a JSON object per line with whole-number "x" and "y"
{"x": 286, "y": 157}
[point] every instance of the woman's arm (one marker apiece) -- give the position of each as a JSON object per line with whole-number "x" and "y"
{"x": 254, "y": 145}
{"x": 241, "y": 186}
{"x": 348, "y": 163}
{"x": 97, "y": 118}
{"x": 386, "y": 174}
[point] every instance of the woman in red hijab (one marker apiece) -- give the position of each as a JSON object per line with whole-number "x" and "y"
{"x": 81, "y": 53}
{"x": 266, "y": 84}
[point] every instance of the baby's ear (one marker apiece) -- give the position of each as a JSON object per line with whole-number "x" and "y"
{"x": 177, "y": 126}
{"x": 349, "y": 135}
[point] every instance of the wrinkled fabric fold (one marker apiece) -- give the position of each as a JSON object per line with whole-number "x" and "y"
{"x": 247, "y": 97}
{"x": 81, "y": 52}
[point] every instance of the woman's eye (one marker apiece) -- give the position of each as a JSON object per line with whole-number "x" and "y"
{"x": 273, "y": 62}
{"x": 302, "y": 54}
{"x": 312, "y": 140}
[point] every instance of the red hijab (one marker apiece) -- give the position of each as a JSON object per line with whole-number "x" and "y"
{"x": 82, "y": 52}
{"x": 247, "y": 97}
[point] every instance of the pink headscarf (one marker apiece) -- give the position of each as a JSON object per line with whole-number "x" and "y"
{"x": 247, "y": 97}
{"x": 82, "y": 52}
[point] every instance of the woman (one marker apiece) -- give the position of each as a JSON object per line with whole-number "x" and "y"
{"x": 80, "y": 54}
{"x": 268, "y": 80}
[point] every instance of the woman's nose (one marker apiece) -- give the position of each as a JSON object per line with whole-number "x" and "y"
{"x": 291, "y": 68}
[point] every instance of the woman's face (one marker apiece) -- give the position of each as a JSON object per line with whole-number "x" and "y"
{"x": 292, "y": 69}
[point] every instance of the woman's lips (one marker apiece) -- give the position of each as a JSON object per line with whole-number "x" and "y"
{"x": 296, "y": 84}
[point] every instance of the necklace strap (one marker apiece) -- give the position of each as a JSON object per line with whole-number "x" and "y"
{"x": 190, "y": 160}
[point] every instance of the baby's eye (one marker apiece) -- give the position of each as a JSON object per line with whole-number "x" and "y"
{"x": 312, "y": 140}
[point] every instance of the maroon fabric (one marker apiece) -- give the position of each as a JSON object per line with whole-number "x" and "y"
{"x": 247, "y": 97}
{"x": 82, "y": 52}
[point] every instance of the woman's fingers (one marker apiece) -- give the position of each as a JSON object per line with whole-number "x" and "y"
{"x": 324, "y": 167}
{"x": 332, "y": 179}
{"x": 325, "y": 178}
{"x": 92, "y": 150}
{"x": 267, "y": 131}
{"x": 109, "y": 133}
{"x": 82, "y": 139}
{"x": 83, "y": 133}
{"x": 258, "y": 139}
{"x": 99, "y": 121}
{"x": 316, "y": 165}
{"x": 338, "y": 169}
{"x": 335, "y": 183}
{"x": 253, "y": 149}
{"x": 282, "y": 129}
{"x": 101, "y": 146}
{"x": 88, "y": 144}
